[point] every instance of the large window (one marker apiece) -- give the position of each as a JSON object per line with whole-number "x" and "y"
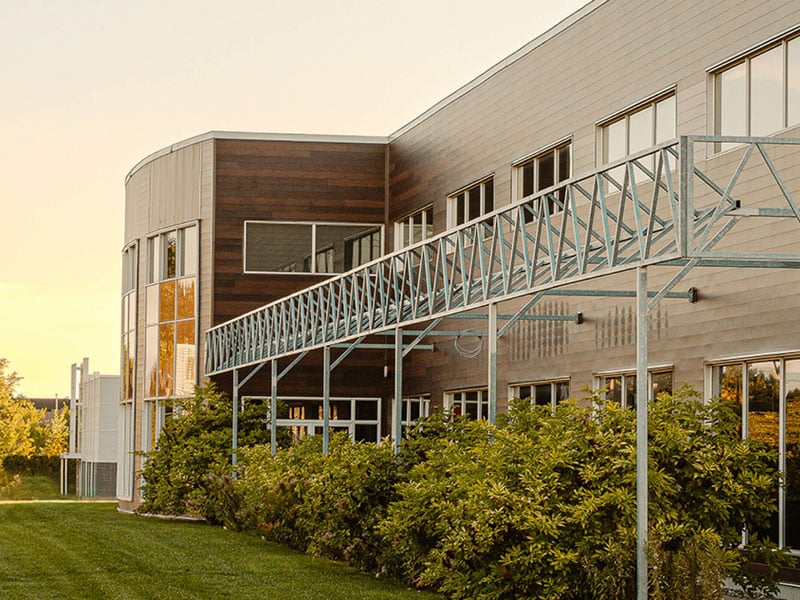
{"x": 170, "y": 336}
{"x": 128, "y": 343}
{"x": 271, "y": 247}
{"x": 766, "y": 394}
{"x": 472, "y": 403}
{"x": 541, "y": 171}
{"x": 303, "y": 416}
{"x": 621, "y": 387}
{"x": 414, "y": 408}
{"x": 470, "y": 203}
{"x": 414, "y": 228}
{"x": 543, "y": 393}
{"x": 642, "y": 127}
{"x": 760, "y": 94}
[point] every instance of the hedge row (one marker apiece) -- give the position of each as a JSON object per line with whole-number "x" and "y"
{"x": 542, "y": 505}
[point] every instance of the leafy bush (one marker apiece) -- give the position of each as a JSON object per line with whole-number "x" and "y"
{"x": 543, "y": 506}
{"x": 189, "y": 472}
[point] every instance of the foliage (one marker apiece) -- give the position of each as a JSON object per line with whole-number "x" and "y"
{"x": 27, "y": 442}
{"x": 188, "y": 473}
{"x": 543, "y": 506}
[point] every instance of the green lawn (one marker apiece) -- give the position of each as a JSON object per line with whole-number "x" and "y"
{"x": 33, "y": 487}
{"x": 91, "y": 551}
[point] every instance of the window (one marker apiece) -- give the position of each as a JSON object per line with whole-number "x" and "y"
{"x": 766, "y": 394}
{"x": 128, "y": 341}
{"x": 648, "y": 124}
{"x": 621, "y": 388}
{"x": 170, "y": 316}
{"x": 759, "y": 94}
{"x": 470, "y": 203}
{"x": 541, "y": 171}
{"x": 363, "y": 248}
{"x": 546, "y": 393}
{"x": 415, "y": 407}
{"x": 470, "y": 403}
{"x": 414, "y": 228}
{"x": 271, "y": 247}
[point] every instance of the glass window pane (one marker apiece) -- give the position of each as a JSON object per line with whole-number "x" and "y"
{"x": 547, "y": 168}
{"x": 564, "y": 166}
{"x": 562, "y": 391}
{"x": 185, "y": 353}
{"x": 488, "y": 196}
{"x": 613, "y": 387}
{"x": 186, "y": 298}
{"x": 640, "y": 130}
{"x": 731, "y": 94}
{"x": 665, "y": 120}
{"x": 151, "y": 299}
{"x": 166, "y": 359}
{"x": 366, "y": 410}
{"x": 474, "y": 203}
{"x": 793, "y": 80}
{"x": 792, "y": 484}
{"x": 277, "y": 247}
{"x": 615, "y": 138}
{"x": 153, "y": 257}
{"x": 630, "y": 391}
{"x": 189, "y": 252}
{"x": 526, "y": 179}
{"x": 662, "y": 383}
{"x": 429, "y": 223}
{"x": 170, "y": 254}
{"x": 166, "y": 302}
{"x": 151, "y": 362}
{"x": 766, "y": 92}
{"x": 544, "y": 395}
{"x": 461, "y": 215}
{"x": 763, "y": 397}
{"x": 728, "y": 386}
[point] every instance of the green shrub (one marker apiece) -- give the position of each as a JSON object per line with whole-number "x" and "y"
{"x": 189, "y": 472}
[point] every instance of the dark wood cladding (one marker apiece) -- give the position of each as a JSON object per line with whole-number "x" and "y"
{"x": 285, "y": 181}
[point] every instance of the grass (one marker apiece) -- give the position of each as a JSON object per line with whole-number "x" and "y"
{"x": 65, "y": 551}
{"x": 33, "y": 487}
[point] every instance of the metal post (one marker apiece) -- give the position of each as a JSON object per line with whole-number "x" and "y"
{"x": 235, "y": 425}
{"x": 273, "y": 410}
{"x": 492, "y": 362}
{"x": 326, "y": 398}
{"x": 398, "y": 389}
{"x": 641, "y": 433}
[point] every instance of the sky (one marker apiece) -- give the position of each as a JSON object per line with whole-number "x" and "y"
{"x": 90, "y": 87}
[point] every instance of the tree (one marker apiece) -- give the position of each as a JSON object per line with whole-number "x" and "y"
{"x": 18, "y": 417}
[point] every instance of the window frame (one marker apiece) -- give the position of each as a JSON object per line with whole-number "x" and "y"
{"x": 534, "y": 159}
{"x": 453, "y": 201}
{"x": 408, "y": 220}
{"x": 482, "y": 401}
{"x": 514, "y": 390}
{"x": 625, "y": 374}
{"x": 316, "y": 249}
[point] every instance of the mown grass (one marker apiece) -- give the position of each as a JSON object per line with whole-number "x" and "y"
{"x": 32, "y": 487}
{"x": 87, "y": 551}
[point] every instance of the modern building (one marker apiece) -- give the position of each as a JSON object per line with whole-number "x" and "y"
{"x": 93, "y": 432}
{"x": 639, "y": 156}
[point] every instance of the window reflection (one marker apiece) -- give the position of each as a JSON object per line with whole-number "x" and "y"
{"x": 766, "y": 97}
{"x": 792, "y": 454}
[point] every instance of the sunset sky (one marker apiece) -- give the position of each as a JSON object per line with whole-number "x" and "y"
{"x": 89, "y": 88}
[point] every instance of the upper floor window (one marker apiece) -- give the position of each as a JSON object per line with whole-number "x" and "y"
{"x": 470, "y": 203}
{"x": 172, "y": 254}
{"x": 759, "y": 94}
{"x": 279, "y": 247}
{"x": 543, "y": 170}
{"x": 646, "y": 125}
{"x": 413, "y": 228}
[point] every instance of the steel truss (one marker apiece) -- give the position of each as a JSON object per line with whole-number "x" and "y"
{"x": 656, "y": 207}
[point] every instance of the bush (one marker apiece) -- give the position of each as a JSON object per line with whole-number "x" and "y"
{"x": 189, "y": 472}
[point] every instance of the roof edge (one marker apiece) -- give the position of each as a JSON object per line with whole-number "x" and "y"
{"x": 256, "y": 136}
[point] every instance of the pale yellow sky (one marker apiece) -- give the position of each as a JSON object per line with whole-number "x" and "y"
{"x": 90, "y": 87}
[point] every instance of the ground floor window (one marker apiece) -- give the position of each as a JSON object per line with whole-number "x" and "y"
{"x": 766, "y": 394}
{"x": 360, "y": 418}
{"x": 154, "y": 415}
{"x": 543, "y": 393}
{"x": 473, "y": 403}
{"x": 621, "y": 387}
{"x": 414, "y": 408}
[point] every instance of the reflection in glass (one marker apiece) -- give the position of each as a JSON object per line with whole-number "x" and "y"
{"x": 562, "y": 391}
{"x": 613, "y": 387}
{"x": 170, "y": 241}
{"x": 166, "y": 359}
{"x": 185, "y": 298}
{"x": 189, "y": 251}
{"x": 185, "y": 358}
{"x": 276, "y": 247}
{"x": 662, "y": 383}
{"x": 151, "y": 362}
{"x": 732, "y": 99}
{"x": 151, "y": 300}
{"x": 166, "y": 292}
{"x": 763, "y": 397}
{"x": 792, "y": 465}
{"x": 766, "y": 92}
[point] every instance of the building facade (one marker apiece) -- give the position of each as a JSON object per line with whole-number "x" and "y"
{"x": 222, "y": 224}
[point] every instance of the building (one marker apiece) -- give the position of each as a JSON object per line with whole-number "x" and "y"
{"x": 639, "y": 155}
{"x": 93, "y": 424}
